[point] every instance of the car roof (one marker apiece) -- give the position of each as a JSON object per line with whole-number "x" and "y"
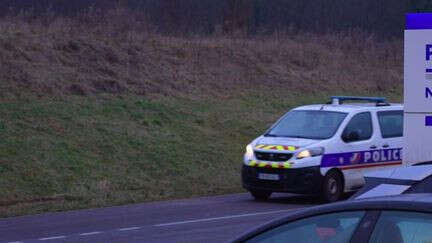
{"x": 406, "y": 202}
{"x": 415, "y": 173}
{"x": 350, "y": 107}
{"x": 398, "y": 180}
{"x": 397, "y": 201}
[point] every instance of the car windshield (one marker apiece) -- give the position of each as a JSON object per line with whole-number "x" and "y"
{"x": 310, "y": 124}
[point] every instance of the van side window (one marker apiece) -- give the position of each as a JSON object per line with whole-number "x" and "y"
{"x": 391, "y": 123}
{"x": 359, "y": 128}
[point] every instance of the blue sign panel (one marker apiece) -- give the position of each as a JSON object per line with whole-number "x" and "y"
{"x": 419, "y": 21}
{"x": 428, "y": 121}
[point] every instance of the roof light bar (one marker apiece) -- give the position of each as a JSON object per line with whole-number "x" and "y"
{"x": 338, "y": 100}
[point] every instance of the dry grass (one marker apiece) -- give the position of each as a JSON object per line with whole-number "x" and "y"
{"x": 114, "y": 54}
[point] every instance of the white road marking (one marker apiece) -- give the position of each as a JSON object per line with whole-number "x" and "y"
{"x": 91, "y": 233}
{"x": 53, "y": 237}
{"x": 130, "y": 228}
{"x": 224, "y": 217}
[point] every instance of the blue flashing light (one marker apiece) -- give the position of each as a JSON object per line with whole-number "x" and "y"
{"x": 341, "y": 99}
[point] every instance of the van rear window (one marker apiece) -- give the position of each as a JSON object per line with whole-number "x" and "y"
{"x": 391, "y": 123}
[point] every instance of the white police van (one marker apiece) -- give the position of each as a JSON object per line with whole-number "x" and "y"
{"x": 325, "y": 148}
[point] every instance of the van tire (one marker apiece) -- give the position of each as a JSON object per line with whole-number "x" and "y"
{"x": 259, "y": 195}
{"x": 332, "y": 188}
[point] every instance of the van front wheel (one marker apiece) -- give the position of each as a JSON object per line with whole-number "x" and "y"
{"x": 332, "y": 187}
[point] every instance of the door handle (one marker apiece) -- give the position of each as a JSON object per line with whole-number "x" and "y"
{"x": 373, "y": 147}
{"x": 386, "y": 146}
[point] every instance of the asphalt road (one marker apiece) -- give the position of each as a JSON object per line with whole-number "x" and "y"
{"x": 207, "y": 219}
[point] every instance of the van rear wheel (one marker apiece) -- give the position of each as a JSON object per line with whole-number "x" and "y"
{"x": 260, "y": 195}
{"x": 332, "y": 190}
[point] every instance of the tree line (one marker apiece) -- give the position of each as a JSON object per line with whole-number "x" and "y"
{"x": 248, "y": 17}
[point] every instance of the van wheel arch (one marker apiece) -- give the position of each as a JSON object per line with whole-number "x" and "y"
{"x": 342, "y": 176}
{"x": 333, "y": 186}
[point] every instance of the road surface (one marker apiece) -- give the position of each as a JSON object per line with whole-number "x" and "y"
{"x": 206, "y": 219}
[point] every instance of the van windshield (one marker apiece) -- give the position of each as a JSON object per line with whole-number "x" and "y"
{"x": 310, "y": 124}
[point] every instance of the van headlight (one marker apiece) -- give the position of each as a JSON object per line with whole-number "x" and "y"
{"x": 249, "y": 152}
{"x": 311, "y": 152}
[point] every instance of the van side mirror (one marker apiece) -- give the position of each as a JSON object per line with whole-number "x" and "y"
{"x": 351, "y": 136}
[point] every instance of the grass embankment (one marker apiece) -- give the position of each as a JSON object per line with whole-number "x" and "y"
{"x": 90, "y": 117}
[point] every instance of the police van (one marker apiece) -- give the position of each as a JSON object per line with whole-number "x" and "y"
{"x": 325, "y": 149}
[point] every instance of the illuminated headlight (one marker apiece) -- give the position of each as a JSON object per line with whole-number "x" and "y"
{"x": 312, "y": 152}
{"x": 249, "y": 152}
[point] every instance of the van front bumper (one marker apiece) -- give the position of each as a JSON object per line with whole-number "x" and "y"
{"x": 307, "y": 180}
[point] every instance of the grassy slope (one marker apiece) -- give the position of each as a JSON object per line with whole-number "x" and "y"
{"x": 90, "y": 118}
